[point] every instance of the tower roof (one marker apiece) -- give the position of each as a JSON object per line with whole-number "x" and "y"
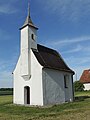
{"x": 28, "y": 21}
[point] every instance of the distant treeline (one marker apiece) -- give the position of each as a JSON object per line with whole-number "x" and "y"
{"x": 6, "y": 89}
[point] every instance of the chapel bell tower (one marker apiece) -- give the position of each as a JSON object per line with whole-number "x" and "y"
{"x": 28, "y": 42}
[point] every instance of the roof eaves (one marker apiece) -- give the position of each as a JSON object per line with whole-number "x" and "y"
{"x": 49, "y": 67}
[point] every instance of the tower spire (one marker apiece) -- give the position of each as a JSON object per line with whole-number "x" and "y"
{"x": 28, "y": 20}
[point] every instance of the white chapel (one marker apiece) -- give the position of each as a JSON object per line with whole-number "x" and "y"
{"x": 41, "y": 77}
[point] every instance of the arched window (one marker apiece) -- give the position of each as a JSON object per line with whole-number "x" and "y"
{"x": 32, "y": 36}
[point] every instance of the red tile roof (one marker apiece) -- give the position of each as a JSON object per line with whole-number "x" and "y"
{"x": 85, "y": 77}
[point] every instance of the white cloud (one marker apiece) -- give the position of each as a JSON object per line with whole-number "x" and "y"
{"x": 72, "y": 10}
{"x": 70, "y": 41}
{"x": 78, "y": 61}
{"x": 7, "y": 7}
{"x": 83, "y": 49}
{"x": 76, "y": 49}
{"x": 64, "y": 42}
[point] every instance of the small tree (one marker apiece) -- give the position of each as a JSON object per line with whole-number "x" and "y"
{"x": 78, "y": 86}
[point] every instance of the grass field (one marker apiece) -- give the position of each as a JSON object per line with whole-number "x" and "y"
{"x": 84, "y": 93}
{"x": 79, "y": 110}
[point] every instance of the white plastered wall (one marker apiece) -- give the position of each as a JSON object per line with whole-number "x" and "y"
{"x": 35, "y": 83}
{"x": 27, "y": 43}
{"x": 87, "y": 86}
{"x": 25, "y": 56}
{"x": 53, "y": 87}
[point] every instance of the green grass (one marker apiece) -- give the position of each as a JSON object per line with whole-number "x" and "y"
{"x": 79, "y": 110}
{"x": 83, "y": 93}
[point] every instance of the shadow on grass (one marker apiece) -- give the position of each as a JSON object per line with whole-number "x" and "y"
{"x": 81, "y": 98}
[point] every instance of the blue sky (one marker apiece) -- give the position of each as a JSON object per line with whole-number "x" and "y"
{"x": 63, "y": 25}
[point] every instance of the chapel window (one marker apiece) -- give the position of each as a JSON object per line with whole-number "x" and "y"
{"x": 66, "y": 81}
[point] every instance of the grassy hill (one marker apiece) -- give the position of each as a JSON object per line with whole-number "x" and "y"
{"x": 79, "y": 110}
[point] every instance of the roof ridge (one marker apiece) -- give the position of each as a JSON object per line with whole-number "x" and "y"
{"x": 45, "y": 47}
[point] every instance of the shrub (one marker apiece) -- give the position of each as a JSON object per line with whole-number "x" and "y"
{"x": 78, "y": 86}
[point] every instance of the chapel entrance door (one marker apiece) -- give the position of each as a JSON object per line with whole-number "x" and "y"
{"x": 26, "y": 95}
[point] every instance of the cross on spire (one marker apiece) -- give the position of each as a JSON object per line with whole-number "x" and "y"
{"x": 29, "y": 8}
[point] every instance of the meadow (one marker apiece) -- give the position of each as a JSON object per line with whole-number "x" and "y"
{"x": 78, "y": 110}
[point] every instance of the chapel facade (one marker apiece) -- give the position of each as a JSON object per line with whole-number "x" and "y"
{"x": 41, "y": 77}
